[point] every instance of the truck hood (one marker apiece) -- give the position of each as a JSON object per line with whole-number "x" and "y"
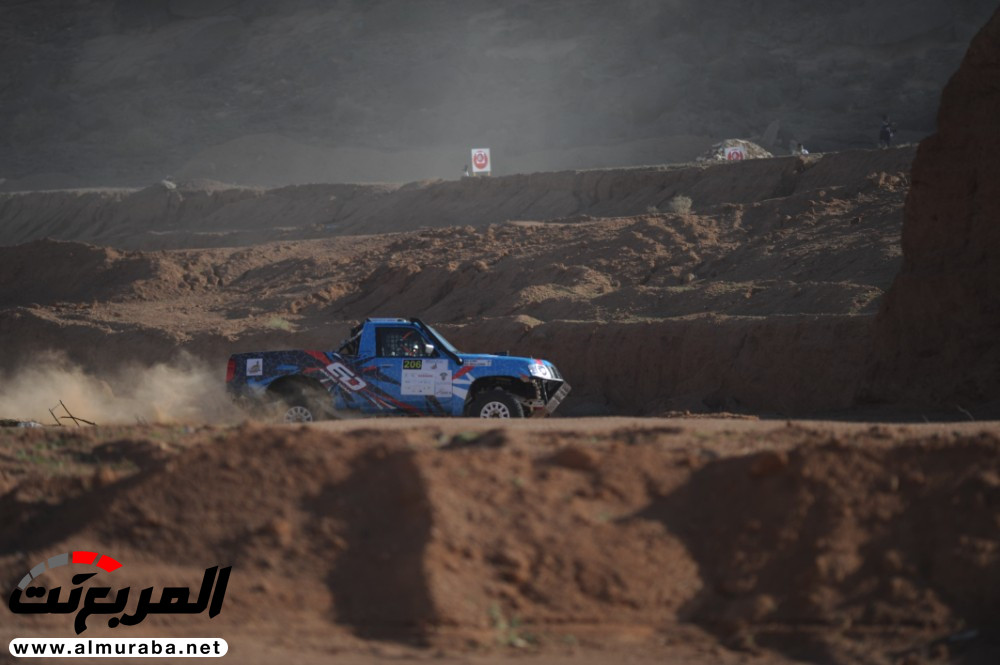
{"x": 536, "y": 367}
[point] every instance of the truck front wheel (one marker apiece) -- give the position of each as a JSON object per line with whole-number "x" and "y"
{"x": 495, "y": 404}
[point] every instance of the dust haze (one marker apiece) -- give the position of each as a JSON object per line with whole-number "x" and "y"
{"x": 175, "y": 393}
{"x": 250, "y": 92}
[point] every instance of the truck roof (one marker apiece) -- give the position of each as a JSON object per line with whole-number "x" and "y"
{"x": 386, "y": 320}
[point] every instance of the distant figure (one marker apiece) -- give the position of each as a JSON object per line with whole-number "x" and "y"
{"x": 465, "y": 173}
{"x": 886, "y": 133}
{"x": 801, "y": 150}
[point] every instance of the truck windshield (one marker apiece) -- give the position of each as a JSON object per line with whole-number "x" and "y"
{"x": 441, "y": 339}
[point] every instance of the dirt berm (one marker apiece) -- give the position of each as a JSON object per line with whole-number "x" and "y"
{"x": 206, "y": 214}
{"x": 814, "y": 542}
{"x": 787, "y": 365}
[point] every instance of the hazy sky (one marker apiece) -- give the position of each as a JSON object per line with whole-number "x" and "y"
{"x": 122, "y": 92}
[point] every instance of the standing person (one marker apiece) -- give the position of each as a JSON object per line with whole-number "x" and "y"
{"x": 802, "y": 150}
{"x": 886, "y": 133}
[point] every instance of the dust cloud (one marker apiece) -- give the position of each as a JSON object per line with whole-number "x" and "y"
{"x": 178, "y": 392}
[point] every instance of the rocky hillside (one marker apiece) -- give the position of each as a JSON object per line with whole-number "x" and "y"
{"x": 248, "y": 91}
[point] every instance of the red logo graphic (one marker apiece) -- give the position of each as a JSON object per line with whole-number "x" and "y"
{"x": 26, "y": 597}
{"x": 480, "y": 160}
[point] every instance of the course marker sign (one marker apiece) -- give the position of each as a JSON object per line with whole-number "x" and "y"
{"x": 735, "y": 154}
{"x": 481, "y": 160}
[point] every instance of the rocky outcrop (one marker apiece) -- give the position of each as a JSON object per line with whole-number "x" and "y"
{"x": 937, "y": 340}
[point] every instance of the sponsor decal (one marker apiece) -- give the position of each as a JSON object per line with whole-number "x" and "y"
{"x": 735, "y": 154}
{"x": 346, "y": 377}
{"x": 255, "y": 367}
{"x": 481, "y": 160}
{"x": 430, "y": 377}
{"x": 540, "y": 370}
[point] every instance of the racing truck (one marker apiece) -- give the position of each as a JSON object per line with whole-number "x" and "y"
{"x": 394, "y": 367}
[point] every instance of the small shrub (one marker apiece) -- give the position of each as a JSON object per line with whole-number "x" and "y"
{"x": 278, "y": 323}
{"x": 680, "y": 204}
{"x": 508, "y": 632}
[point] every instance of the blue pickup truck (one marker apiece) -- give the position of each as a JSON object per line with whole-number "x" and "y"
{"x": 395, "y": 367}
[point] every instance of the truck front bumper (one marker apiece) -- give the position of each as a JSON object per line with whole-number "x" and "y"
{"x": 554, "y": 401}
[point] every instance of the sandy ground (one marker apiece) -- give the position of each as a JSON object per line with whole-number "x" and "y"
{"x": 656, "y": 540}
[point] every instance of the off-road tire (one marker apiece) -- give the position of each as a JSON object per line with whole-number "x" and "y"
{"x": 301, "y": 405}
{"x": 495, "y": 403}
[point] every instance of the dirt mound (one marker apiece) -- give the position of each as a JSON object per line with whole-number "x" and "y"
{"x": 749, "y": 150}
{"x": 49, "y": 271}
{"x": 773, "y": 537}
{"x": 843, "y": 535}
{"x": 936, "y": 335}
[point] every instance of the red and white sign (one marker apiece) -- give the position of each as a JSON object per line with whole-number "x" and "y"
{"x": 481, "y": 160}
{"x": 735, "y": 154}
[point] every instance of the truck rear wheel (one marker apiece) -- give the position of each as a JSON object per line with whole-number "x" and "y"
{"x": 298, "y": 413}
{"x": 300, "y": 404}
{"x": 496, "y": 404}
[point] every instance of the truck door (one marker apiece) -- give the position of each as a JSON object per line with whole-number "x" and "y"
{"x": 417, "y": 377}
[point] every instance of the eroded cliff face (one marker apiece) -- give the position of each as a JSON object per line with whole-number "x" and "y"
{"x": 938, "y": 333}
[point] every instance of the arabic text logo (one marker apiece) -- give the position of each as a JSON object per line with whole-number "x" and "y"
{"x": 173, "y": 600}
